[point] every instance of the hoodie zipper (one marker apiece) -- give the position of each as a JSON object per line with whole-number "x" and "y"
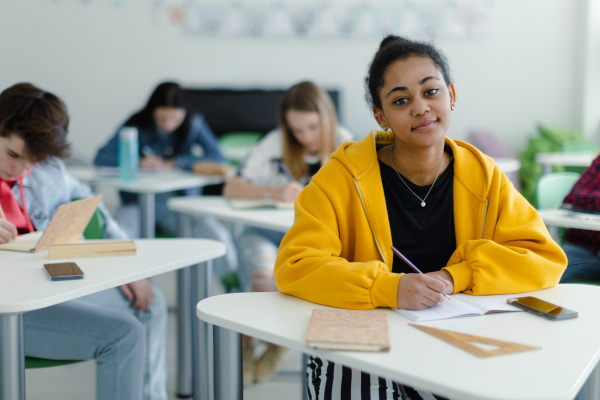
{"x": 368, "y": 220}
{"x": 484, "y": 217}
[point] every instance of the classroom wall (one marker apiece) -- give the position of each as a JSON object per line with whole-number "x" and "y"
{"x": 104, "y": 57}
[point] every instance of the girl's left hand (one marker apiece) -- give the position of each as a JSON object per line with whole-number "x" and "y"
{"x": 444, "y": 275}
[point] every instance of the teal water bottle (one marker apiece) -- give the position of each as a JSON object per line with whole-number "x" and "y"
{"x": 129, "y": 158}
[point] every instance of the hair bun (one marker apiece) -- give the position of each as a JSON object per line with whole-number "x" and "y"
{"x": 390, "y": 39}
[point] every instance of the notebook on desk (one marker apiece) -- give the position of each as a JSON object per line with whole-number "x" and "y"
{"x": 243, "y": 204}
{"x": 66, "y": 226}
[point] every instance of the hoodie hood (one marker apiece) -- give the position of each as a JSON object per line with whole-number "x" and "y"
{"x": 360, "y": 158}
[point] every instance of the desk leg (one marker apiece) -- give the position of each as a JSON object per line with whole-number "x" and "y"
{"x": 229, "y": 383}
{"x": 546, "y": 169}
{"x": 591, "y": 387}
{"x": 185, "y": 316}
{"x": 12, "y": 358}
{"x": 202, "y": 338}
{"x": 304, "y": 377}
{"x": 147, "y": 214}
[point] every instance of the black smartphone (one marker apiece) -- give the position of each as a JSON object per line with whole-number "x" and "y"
{"x": 64, "y": 271}
{"x": 542, "y": 308}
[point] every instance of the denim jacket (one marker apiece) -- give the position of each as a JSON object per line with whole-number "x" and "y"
{"x": 201, "y": 145}
{"x": 48, "y": 186}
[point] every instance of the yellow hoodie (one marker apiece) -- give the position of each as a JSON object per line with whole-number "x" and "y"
{"x": 338, "y": 252}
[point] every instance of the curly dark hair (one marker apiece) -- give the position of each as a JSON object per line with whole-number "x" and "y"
{"x": 391, "y": 49}
{"x": 38, "y": 117}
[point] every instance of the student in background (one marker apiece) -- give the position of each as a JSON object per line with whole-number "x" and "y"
{"x": 171, "y": 136}
{"x": 441, "y": 202}
{"x": 122, "y": 328}
{"x": 582, "y": 246}
{"x": 278, "y": 167}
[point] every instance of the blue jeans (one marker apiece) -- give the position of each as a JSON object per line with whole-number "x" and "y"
{"x": 257, "y": 249}
{"x": 129, "y": 348}
{"x": 583, "y": 264}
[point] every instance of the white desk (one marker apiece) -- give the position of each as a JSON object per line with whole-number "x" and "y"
{"x": 279, "y": 220}
{"x": 508, "y": 165}
{"x": 570, "y": 349}
{"x": 146, "y": 187}
{"x": 25, "y": 286}
{"x": 570, "y": 219}
{"x": 574, "y": 159}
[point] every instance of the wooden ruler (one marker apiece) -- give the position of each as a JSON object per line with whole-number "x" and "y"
{"x": 466, "y": 342}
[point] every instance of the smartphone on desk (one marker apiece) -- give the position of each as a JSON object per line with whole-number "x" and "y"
{"x": 542, "y": 308}
{"x": 64, "y": 271}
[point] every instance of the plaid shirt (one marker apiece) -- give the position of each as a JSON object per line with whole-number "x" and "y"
{"x": 585, "y": 196}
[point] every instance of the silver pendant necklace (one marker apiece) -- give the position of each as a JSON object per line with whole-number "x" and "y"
{"x": 423, "y": 204}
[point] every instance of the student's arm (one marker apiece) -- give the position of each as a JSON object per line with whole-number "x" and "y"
{"x": 516, "y": 255}
{"x": 585, "y": 194}
{"x": 240, "y": 188}
{"x": 201, "y": 135}
{"x": 108, "y": 155}
{"x": 313, "y": 263}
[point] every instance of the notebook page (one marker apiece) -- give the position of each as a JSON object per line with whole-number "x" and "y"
{"x": 447, "y": 309}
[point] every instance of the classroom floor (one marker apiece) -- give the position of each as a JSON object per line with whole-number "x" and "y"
{"x": 77, "y": 381}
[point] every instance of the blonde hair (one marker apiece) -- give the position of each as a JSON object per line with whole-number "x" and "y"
{"x": 307, "y": 97}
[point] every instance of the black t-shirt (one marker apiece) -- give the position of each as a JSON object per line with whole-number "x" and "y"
{"x": 425, "y": 235}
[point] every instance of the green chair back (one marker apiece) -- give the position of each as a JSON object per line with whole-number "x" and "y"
{"x": 94, "y": 230}
{"x": 552, "y": 188}
{"x": 236, "y": 145}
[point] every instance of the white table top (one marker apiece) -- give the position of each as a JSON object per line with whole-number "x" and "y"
{"x": 507, "y": 165}
{"x": 279, "y": 220}
{"x": 571, "y": 159}
{"x": 570, "y": 219}
{"x": 148, "y": 182}
{"x": 570, "y": 348}
{"x": 26, "y": 286}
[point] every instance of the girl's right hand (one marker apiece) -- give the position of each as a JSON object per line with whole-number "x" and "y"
{"x": 420, "y": 291}
{"x": 8, "y": 231}
{"x": 288, "y": 192}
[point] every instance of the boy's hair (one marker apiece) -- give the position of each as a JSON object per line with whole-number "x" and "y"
{"x": 38, "y": 117}
{"x": 391, "y": 49}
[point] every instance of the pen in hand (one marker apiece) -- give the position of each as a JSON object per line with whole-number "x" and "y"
{"x": 410, "y": 264}
{"x": 284, "y": 169}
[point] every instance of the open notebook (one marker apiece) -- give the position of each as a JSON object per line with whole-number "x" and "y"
{"x": 462, "y": 305}
{"x": 66, "y": 226}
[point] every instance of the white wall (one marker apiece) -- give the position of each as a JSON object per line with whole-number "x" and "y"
{"x": 104, "y": 57}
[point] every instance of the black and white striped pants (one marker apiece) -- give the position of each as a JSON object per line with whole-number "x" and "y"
{"x": 329, "y": 381}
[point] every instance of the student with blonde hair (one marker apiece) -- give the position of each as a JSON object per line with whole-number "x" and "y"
{"x": 278, "y": 167}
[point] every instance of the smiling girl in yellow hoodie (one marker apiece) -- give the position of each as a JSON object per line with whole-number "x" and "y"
{"x": 441, "y": 202}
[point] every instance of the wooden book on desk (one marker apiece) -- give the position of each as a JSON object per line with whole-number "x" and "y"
{"x": 355, "y": 330}
{"x": 101, "y": 248}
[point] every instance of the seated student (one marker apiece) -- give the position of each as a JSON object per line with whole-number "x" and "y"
{"x": 171, "y": 136}
{"x": 441, "y": 202}
{"x": 278, "y": 167}
{"x": 582, "y": 246}
{"x": 122, "y": 328}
